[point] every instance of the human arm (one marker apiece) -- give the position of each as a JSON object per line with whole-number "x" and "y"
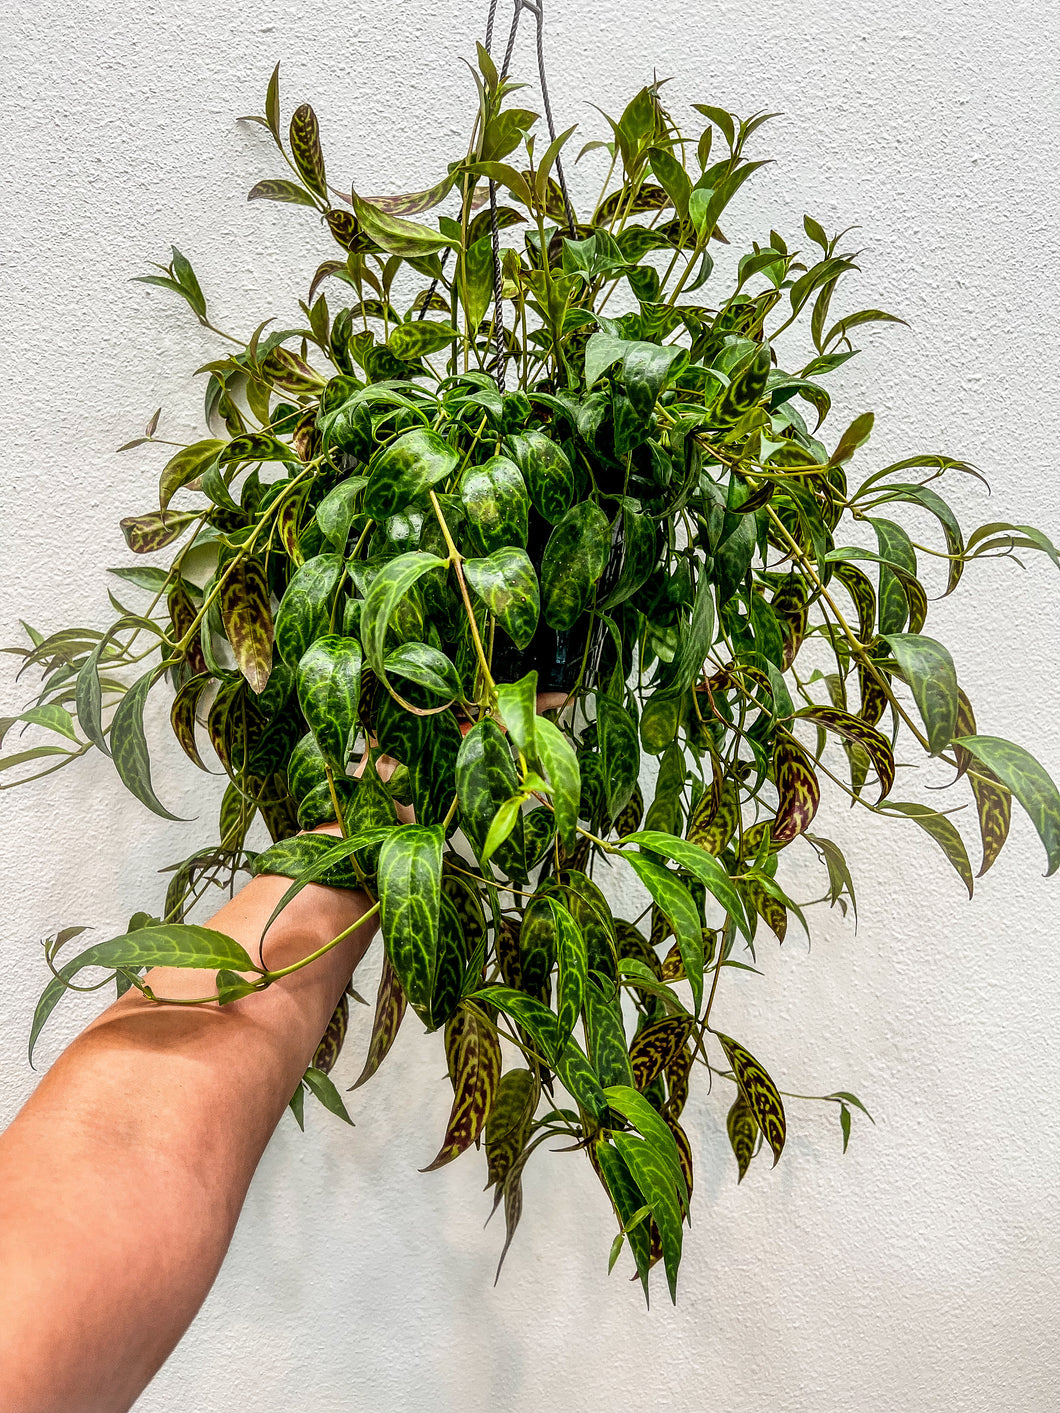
{"x": 122, "y": 1178}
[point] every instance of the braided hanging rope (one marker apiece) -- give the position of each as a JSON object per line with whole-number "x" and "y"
{"x": 537, "y": 9}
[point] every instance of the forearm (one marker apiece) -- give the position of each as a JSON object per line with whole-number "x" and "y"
{"x": 122, "y": 1179}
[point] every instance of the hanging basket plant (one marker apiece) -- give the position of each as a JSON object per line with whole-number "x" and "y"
{"x": 528, "y": 500}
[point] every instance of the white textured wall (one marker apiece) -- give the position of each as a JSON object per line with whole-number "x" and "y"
{"x": 919, "y": 1271}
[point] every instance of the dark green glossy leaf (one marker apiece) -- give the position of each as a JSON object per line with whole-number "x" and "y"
{"x": 701, "y": 865}
{"x": 388, "y": 588}
{"x": 485, "y": 779}
{"x": 329, "y": 689}
{"x": 619, "y": 751}
{"x": 574, "y": 559}
{"x": 676, "y": 903}
{"x": 404, "y": 469}
{"x": 306, "y": 608}
{"x": 410, "y": 866}
{"x": 496, "y": 504}
{"x": 653, "y": 1178}
{"x": 506, "y": 583}
{"x": 420, "y": 337}
{"x": 547, "y": 472}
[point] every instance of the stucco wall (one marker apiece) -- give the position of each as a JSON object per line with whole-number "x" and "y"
{"x": 920, "y": 1270}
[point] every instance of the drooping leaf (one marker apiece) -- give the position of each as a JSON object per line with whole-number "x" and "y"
{"x": 928, "y": 668}
{"x": 1028, "y": 780}
{"x": 574, "y": 559}
{"x": 798, "y": 790}
{"x": 305, "y": 611}
{"x": 169, "y": 945}
{"x": 247, "y": 618}
{"x": 506, "y": 583}
{"x": 619, "y": 752}
{"x": 390, "y": 1006}
{"x": 760, "y": 1094}
{"x": 863, "y": 735}
{"x": 186, "y": 465}
{"x": 128, "y": 745}
{"x": 474, "y": 1055}
{"x": 742, "y": 1128}
{"x": 676, "y": 902}
{"x": 410, "y": 866}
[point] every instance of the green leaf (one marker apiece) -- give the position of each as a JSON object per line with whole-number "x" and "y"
{"x": 280, "y": 189}
{"x": 410, "y": 868}
{"x": 672, "y": 177}
{"x": 404, "y": 469}
{"x": 395, "y": 235}
{"x": 695, "y": 642}
{"x": 329, "y": 689}
{"x": 53, "y": 718}
{"x": 575, "y": 557}
{"x": 646, "y": 369}
{"x": 129, "y": 745}
{"x": 928, "y": 668}
{"x": 485, "y": 779}
{"x": 650, "y": 1124}
{"x": 247, "y": 618}
{"x": 186, "y": 465}
{"x": 760, "y": 1094}
{"x": 1028, "y": 780}
{"x": 560, "y": 761}
{"x": 652, "y": 1175}
{"x": 305, "y": 610}
{"x": 702, "y": 865}
{"x": 496, "y": 505}
{"x": 387, "y": 589}
{"x": 627, "y": 1199}
{"x": 88, "y": 699}
{"x": 619, "y": 753}
{"x": 420, "y": 337}
{"x": 428, "y": 667}
{"x": 325, "y": 1091}
{"x": 169, "y": 945}
{"x": 572, "y": 960}
{"x": 506, "y": 583}
{"x": 943, "y": 831}
{"x": 474, "y": 1055}
{"x": 547, "y": 471}
{"x": 504, "y": 821}
{"x": 675, "y": 901}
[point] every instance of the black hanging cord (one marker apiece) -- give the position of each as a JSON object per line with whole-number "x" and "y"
{"x": 537, "y": 9}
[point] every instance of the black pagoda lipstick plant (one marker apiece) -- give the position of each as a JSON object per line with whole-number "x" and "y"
{"x": 521, "y": 449}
